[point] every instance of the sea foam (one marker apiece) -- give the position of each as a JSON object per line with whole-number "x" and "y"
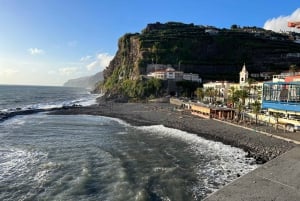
{"x": 225, "y": 161}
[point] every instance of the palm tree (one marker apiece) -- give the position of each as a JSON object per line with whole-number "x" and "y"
{"x": 238, "y": 99}
{"x": 211, "y": 93}
{"x": 199, "y": 93}
{"x": 239, "y": 110}
{"x": 242, "y": 94}
{"x": 256, "y": 106}
{"x": 232, "y": 98}
{"x": 250, "y": 83}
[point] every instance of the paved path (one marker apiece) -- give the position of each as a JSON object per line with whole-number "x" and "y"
{"x": 269, "y": 131}
{"x": 276, "y": 180}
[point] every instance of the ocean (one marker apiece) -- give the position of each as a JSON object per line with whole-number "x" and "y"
{"x": 82, "y": 157}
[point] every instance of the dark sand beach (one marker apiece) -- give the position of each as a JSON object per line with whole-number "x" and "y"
{"x": 262, "y": 147}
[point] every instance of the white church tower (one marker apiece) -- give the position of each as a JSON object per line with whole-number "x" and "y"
{"x": 243, "y": 76}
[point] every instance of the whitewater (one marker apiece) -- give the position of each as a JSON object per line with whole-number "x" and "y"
{"x": 82, "y": 157}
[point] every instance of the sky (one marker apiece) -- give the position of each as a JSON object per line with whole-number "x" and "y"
{"x": 47, "y": 42}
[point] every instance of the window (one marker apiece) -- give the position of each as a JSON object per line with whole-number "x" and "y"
{"x": 281, "y": 92}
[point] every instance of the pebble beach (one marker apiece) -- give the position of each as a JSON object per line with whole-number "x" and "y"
{"x": 262, "y": 147}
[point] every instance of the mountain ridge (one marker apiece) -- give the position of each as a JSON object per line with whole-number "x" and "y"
{"x": 88, "y": 82}
{"x": 213, "y": 53}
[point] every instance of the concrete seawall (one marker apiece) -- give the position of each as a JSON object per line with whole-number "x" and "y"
{"x": 278, "y": 179}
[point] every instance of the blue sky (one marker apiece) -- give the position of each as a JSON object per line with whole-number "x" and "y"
{"x": 46, "y": 42}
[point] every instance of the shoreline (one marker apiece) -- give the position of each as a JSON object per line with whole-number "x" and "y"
{"x": 262, "y": 147}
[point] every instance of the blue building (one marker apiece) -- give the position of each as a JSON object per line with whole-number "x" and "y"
{"x": 282, "y": 101}
{"x": 282, "y": 97}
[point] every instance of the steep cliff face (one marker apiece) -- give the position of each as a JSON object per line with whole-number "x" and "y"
{"x": 125, "y": 64}
{"x": 213, "y": 53}
{"x": 126, "y": 58}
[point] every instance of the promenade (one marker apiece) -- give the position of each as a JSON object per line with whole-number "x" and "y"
{"x": 277, "y": 179}
{"x": 270, "y": 131}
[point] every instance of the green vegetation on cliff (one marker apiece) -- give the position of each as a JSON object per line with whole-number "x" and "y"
{"x": 212, "y": 53}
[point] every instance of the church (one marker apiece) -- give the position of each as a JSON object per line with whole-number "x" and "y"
{"x": 244, "y": 76}
{"x": 224, "y": 88}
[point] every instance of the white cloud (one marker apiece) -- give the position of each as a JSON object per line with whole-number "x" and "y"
{"x": 102, "y": 61}
{"x": 68, "y": 71}
{"x": 86, "y": 58}
{"x": 280, "y": 23}
{"x": 35, "y": 51}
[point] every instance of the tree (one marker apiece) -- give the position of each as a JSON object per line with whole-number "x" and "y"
{"x": 139, "y": 90}
{"x": 233, "y": 98}
{"x": 153, "y": 86}
{"x": 243, "y": 94}
{"x": 250, "y": 87}
{"x": 240, "y": 109}
{"x": 199, "y": 93}
{"x": 187, "y": 87}
{"x": 211, "y": 93}
{"x": 256, "y": 106}
{"x": 132, "y": 88}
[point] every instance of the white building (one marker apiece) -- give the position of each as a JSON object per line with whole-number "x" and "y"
{"x": 191, "y": 77}
{"x": 223, "y": 88}
{"x": 243, "y": 76}
{"x": 172, "y": 74}
{"x": 161, "y": 74}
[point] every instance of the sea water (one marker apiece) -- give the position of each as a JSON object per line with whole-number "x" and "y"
{"x": 56, "y": 157}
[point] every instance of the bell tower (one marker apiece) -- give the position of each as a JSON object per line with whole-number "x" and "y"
{"x": 243, "y": 76}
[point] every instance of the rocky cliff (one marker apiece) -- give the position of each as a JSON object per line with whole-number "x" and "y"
{"x": 211, "y": 52}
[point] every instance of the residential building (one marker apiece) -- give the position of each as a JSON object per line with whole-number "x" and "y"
{"x": 160, "y": 74}
{"x": 171, "y": 74}
{"x": 191, "y": 77}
